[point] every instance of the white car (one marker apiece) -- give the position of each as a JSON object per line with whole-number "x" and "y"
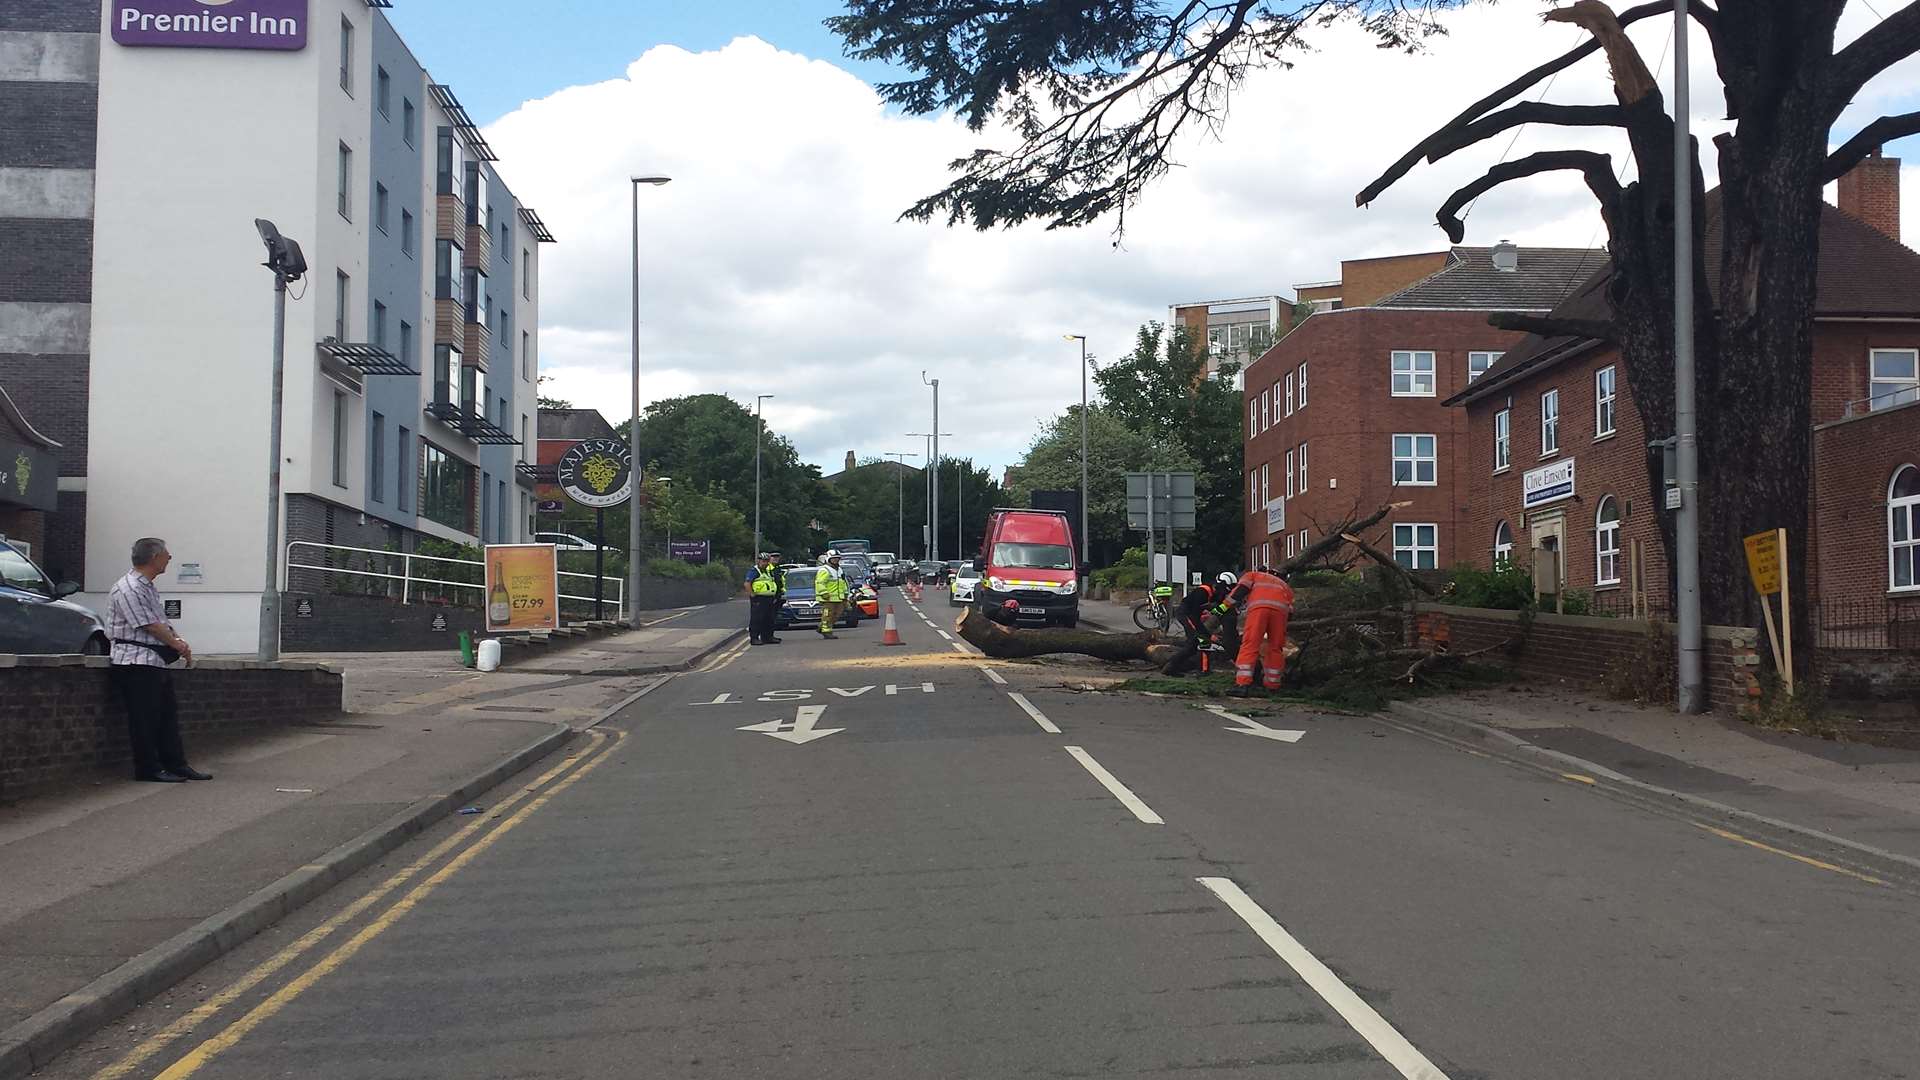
{"x": 961, "y": 590}
{"x": 569, "y": 542}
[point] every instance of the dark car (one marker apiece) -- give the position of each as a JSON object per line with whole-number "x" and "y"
{"x": 35, "y": 619}
{"x": 932, "y": 573}
{"x": 801, "y": 609}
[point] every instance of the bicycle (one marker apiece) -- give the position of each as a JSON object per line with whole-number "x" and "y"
{"x": 1155, "y": 612}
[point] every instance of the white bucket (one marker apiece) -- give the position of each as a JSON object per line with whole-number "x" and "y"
{"x": 489, "y": 658}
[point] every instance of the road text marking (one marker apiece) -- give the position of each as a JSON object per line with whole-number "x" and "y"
{"x": 925, "y": 688}
{"x": 1249, "y": 726}
{"x": 1112, "y": 784}
{"x": 1038, "y": 716}
{"x": 719, "y": 699}
{"x": 1358, "y": 1014}
{"x": 1738, "y": 839}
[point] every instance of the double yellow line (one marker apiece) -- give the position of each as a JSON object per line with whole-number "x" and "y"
{"x": 604, "y": 743}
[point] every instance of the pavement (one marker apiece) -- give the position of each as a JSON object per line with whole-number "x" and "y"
{"x": 833, "y": 858}
{"x": 110, "y": 885}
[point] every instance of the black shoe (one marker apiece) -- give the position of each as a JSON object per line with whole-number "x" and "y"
{"x": 753, "y": 642}
{"x": 162, "y": 777}
{"x": 191, "y": 773}
{"x": 771, "y": 641}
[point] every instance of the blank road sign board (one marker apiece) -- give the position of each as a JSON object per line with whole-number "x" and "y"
{"x": 1172, "y": 494}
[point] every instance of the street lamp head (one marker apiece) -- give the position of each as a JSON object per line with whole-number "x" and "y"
{"x": 1073, "y": 337}
{"x": 656, "y": 180}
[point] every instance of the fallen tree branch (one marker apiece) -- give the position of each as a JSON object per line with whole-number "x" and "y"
{"x": 1005, "y": 643}
{"x": 1386, "y": 560}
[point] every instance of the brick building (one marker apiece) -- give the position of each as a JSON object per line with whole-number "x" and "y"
{"x": 1558, "y": 456}
{"x": 1344, "y": 412}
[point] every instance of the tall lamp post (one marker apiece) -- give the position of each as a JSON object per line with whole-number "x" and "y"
{"x": 1690, "y": 692}
{"x": 633, "y": 426}
{"x": 759, "y": 428}
{"x": 900, "y": 493}
{"x": 1085, "y": 555}
{"x": 933, "y": 466}
{"x": 288, "y": 265}
{"x": 926, "y": 543}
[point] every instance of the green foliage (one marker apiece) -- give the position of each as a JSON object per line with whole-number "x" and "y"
{"x": 1130, "y": 572}
{"x": 678, "y": 509}
{"x": 706, "y": 443}
{"x": 1507, "y": 588}
{"x": 886, "y": 503}
{"x": 686, "y": 571}
{"x": 1113, "y": 449}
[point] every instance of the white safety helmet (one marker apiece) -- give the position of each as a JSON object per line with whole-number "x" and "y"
{"x": 825, "y": 557}
{"x": 1227, "y": 578}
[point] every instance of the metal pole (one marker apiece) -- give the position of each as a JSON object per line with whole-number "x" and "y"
{"x": 1691, "y": 697}
{"x": 633, "y": 432}
{"x": 1085, "y": 557}
{"x": 599, "y": 561}
{"x": 900, "y": 493}
{"x": 269, "y": 646}
{"x": 1152, "y": 570}
{"x": 1170, "y": 579}
{"x": 959, "y": 510}
{"x": 759, "y": 429}
{"x": 933, "y": 467}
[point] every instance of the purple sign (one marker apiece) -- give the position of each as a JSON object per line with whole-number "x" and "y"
{"x": 212, "y": 24}
{"x": 688, "y": 550}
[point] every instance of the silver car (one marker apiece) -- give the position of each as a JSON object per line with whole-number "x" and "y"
{"x": 35, "y": 619}
{"x": 961, "y": 590}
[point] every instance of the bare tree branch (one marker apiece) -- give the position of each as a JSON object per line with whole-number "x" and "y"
{"x": 1547, "y": 326}
{"x": 1598, "y": 169}
{"x": 1631, "y": 79}
{"x": 1893, "y": 40}
{"x": 1442, "y": 143}
{"x": 1386, "y": 560}
{"x": 1854, "y": 150}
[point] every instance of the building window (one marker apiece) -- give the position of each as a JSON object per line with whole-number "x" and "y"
{"x": 1289, "y": 474}
{"x": 1303, "y": 386}
{"x": 506, "y": 241}
{"x": 380, "y": 206}
{"x": 1502, "y": 546}
{"x": 342, "y": 294}
{"x": 1903, "y": 529}
{"x": 1303, "y": 468}
{"x": 1502, "y": 439}
{"x": 1303, "y": 541}
{"x": 503, "y": 330}
{"x": 447, "y": 165}
{"x": 1253, "y": 417}
{"x": 408, "y": 120}
{"x": 1416, "y": 547}
{"x": 1413, "y": 374}
{"x": 1895, "y": 379}
{"x": 377, "y": 468}
{"x": 486, "y": 507}
{"x": 345, "y": 194}
{"x": 1414, "y": 460}
{"x": 446, "y": 272}
{"x": 1606, "y": 542}
{"x": 339, "y": 438}
{"x": 1603, "y": 402}
{"x": 403, "y": 470}
{"x": 1253, "y": 491}
{"x": 1266, "y": 488}
{"x": 346, "y": 56}
{"x": 1266, "y": 553}
{"x": 406, "y": 233}
{"x": 446, "y": 361}
{"x": 526, "y": 274}
{"x": 524, "y": 444}
{"x": 526, "y": 356}
{"x": 379, "y": 328}
{"x": 406, "y": 343}
{"x": 1289, "y": 395}
{"x": 448, "y": 484}
{"x": 1479, "y": 362}
{"x": 382, "y": 91}
{"x": 1549, "y": 423}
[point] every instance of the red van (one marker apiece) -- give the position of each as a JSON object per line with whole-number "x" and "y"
{"x": 1029, "y": 558}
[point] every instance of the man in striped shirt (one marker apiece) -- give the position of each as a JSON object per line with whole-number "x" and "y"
{"x": 143, "y": 641}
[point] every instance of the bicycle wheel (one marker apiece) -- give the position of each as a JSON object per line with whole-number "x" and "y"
{"x": 1146, "y": 617}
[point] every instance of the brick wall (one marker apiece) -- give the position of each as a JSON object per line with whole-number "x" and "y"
{"x": 341, "y": 623}
{"x": 60, "y": 719}
{"x": 48, "y": 125}
{"x": 64, "y": 16}
{"x": 1870, "y": 191}
{"x": 1854, "y": 462}
{"x": 51, "y": 391}
{"x": 317, "y": 521}
{"x": 1578, "y": 650}
{"x": 46, "y": 260}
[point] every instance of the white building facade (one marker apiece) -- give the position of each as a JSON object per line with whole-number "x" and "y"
{"x": 411, "y": 345}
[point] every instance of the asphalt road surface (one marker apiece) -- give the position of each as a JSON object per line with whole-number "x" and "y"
{"x": 837, "y": 859}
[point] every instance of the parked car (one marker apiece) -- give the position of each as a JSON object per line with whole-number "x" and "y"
{"x": 801, "y": 609}
{"x": 1029, "y": 559}
{"x": 960, "y": 591}
{"x": 932, "y": 573}
{"x": 34, "y": 617}
{"x": 886, "y": 568}
{"x": 570, "y": 543}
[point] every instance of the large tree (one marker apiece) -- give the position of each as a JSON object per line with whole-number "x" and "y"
{"x": 706, "y": 441}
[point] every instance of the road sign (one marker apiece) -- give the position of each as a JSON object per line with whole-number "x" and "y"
{"x": 1763, "y": 561}
{"x": 1171, "y": 500}
{"x": 596, "y": 472}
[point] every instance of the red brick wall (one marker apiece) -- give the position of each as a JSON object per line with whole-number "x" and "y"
{"x": 1351, "y": 417}
{"x": 1853, "y": 466}
{"x": 1364, "y": 281}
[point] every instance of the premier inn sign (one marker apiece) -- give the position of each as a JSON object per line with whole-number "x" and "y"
{"x": 211, "y": 24}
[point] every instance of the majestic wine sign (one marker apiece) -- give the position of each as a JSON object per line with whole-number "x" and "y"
{"x": 212, "y": 24}
{"x": 596, "y": 472}
{"x": 523, "y": 587}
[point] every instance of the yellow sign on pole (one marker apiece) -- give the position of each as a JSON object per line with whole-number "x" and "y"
{"x": 523, "y": 587}
{"x": 1763, "y": 561}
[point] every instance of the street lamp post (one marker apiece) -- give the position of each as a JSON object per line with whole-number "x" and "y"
{"x": 933, "y": 466}
{"x": 288, "y": 265}
{"x": 759, "y": 429}
{"x": 1085, "y": 557}
{"x": 633, "y": 425}
{"x": 926, "y": 543}
{"x": 900, "y": 493}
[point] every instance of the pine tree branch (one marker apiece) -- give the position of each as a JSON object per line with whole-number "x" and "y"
{"x": 1598, "y": 169}
{"x": 1884, "y": 130}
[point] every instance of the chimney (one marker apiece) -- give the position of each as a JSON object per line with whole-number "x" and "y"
{"x": 1870, "y": 191}
{"x": 849, "y": 461}
{"x": 1506, "y": 257}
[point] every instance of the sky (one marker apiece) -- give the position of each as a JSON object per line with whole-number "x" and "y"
{"x": 774, "y": 262}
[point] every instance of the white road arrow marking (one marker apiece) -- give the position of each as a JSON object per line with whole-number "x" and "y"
{"x": 800, "y": 730}
{"x": 1253, "y": 727}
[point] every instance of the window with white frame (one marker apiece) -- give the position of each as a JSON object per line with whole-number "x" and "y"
{"x": 1895, "y": 378}
{"x": 1606, "y": 542}
{"x": 1903, "y": 529}
{"x": 1289, "y": 545}
{"x": 1412, "y": 374}
{"x": 1253, "y": 417}
{"x": 1303, "y": 468}
{"x": 1289, "y": 395}
{"x": 1253, "y": 491}
{"x": 1266, "y": 488}
{"x": 1416, "y": 547}
{"x": 1549, "y": 423}
{"x": 1303, "y": 541}
{"x": 1289, "y": 474}
{"x": 1266, "y": 413}
{"x": 1479, "y": 362}
{"x": 339, "y": 439}
{"x": 1303, "y": 384}
{"x": 1266, "y": 553}
{"x": 1603, "y": 402}
{"x": 1502, "y": 546}
{"x": 1415, "y": 460}
{"x": 1502, "y": 439}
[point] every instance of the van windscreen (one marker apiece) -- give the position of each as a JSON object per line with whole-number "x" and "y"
{"x": 1033, "y": 556}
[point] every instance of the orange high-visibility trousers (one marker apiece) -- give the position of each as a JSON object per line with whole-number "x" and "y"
{"x": 1262, "y": 639}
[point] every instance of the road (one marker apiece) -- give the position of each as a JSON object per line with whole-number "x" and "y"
{"x": 836, "y": 859}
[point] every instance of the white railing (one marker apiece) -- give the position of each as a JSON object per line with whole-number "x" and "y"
{"x": 615, "y": 589}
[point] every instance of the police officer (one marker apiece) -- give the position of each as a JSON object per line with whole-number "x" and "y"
{"x": 766, "y": 588}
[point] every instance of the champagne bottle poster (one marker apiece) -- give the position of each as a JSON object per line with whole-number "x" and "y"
{"x": 523, "y": 587}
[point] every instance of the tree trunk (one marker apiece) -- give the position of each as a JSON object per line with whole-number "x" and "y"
{"x": 1003, "y": 643}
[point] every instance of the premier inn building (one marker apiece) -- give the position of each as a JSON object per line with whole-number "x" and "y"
{"x": 139, "y": 140}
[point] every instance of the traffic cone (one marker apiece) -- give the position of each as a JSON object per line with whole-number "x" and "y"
{"x": 892, "y": 635}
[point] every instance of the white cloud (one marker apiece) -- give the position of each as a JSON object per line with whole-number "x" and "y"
{"x": 774, "y": 262}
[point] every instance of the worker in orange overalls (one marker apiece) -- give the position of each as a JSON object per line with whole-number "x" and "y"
{"x": 1268, "y": 600}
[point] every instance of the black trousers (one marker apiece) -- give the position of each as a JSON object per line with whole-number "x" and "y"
{"x": 153, "y": 717}
{"x": 760, "y": 618}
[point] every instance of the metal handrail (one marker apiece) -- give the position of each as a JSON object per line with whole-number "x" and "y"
{"x": 406, "y": 577}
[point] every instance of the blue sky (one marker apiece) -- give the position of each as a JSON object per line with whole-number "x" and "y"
{"x": 497, "y": 54}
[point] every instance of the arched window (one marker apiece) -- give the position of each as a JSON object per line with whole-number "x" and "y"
{"x": 1502, "y": 546}
{"x": 1606, "y": 542}
{"x": 1903, "y": 529}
